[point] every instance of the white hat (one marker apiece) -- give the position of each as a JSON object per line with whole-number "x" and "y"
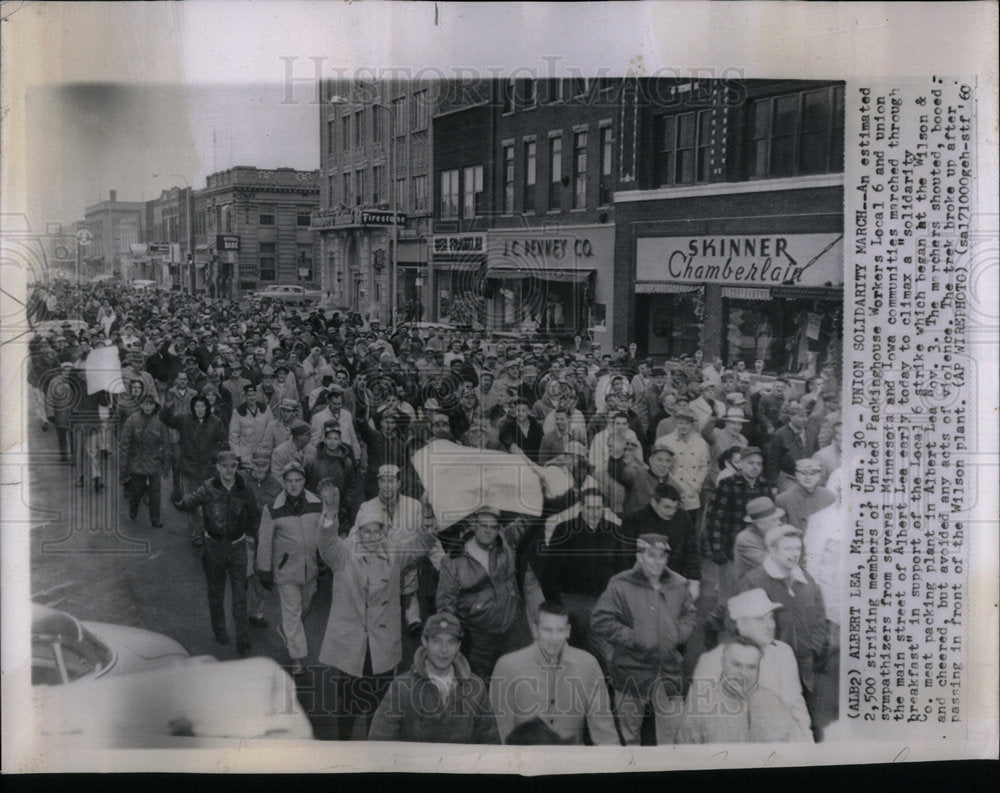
{"x": 752, "y": 603}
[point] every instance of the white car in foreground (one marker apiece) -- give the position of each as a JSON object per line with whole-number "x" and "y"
{"x": 168, "y": 707}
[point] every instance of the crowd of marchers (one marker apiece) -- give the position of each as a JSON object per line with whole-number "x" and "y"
{"x": 702, "y": 512}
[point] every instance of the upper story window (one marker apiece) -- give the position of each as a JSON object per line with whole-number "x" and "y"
{"x": 683, "y": 147}
{"x": 529, "y": 92}
{"x": 449, "y": 193}
{"x": 472, "y": 193}
{"x": 529, "y": 176}
{"x": 508, "y": 179}
{"x": 265, "y": 218}
{"x": 359, "y": 129}
{"x": 399, "y": 116}
{"x": 345, "y": 132}
{"x": 555, "y": 172}
{"x": 303, "y": 217}
{"x": 580, "y": 170}
{"x": 793, "y": 134}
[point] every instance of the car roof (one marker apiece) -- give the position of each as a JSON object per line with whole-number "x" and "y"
{"x": 50, "y": 622}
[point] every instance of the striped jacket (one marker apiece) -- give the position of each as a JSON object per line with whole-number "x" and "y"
{"x": 288, "y": 541}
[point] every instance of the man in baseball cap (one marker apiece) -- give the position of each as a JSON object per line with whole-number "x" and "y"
{"x": 439, "y": 700}
{"x": 653, "y": 606}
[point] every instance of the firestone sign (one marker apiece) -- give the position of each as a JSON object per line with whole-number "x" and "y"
{"x": 768, "y": 260}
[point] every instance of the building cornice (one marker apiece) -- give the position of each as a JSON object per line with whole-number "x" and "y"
{"x": 731, "y": 188}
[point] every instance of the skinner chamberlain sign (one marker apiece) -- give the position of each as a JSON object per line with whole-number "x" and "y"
{"x": 772, "y": 260}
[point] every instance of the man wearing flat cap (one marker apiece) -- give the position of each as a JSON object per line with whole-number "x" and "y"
{"x": 297, "y": 448}
{"x": 691, "y": 460}
{"x": 807, "y": 496}
{"x": 752, "y": 614}
{"x": 645, "y": 614}
{"x": 440, "y": 700}
{"x": 287, "y": 556}
{"x": 279, "y": 429}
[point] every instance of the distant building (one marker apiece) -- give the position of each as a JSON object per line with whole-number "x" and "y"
{"x": 252, "y": 228}
{"x": 115, "y": 226}
{"x": 166, "y": 256}
{"x": 362, "y": 128}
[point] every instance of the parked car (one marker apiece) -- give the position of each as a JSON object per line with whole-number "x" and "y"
{"x": 66, "y": 650}
{"x": 143, "y": 283}
{"x": 289, "y": 293}
{"x": 174, "y": 706}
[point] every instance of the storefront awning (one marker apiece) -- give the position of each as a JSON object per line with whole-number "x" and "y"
{"x": 545, "y": 274}
{"x": 746, "y": 292}
{"x": 664, "y": 288}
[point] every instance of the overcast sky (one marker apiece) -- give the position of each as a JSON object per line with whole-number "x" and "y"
{"x": 87, "y": 139}
{"x": 99, "y": 96}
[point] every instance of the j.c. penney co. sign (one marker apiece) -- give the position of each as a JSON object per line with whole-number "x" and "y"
{"x": 769, "y": 260}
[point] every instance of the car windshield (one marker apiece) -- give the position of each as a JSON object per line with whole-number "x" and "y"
{"x": 56, "y": 659}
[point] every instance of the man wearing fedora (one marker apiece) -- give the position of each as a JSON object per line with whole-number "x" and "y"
{"x": 749, "y": 549}
{"x": 752, "y": 614}
{"x": 731, "y": 434}
{"x": 645, "y": 614}
{"x": 439, "y": 700}
{"x": 807, "y": 496}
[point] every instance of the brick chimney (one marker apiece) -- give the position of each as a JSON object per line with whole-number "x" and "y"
{"x": 114, "y": 195}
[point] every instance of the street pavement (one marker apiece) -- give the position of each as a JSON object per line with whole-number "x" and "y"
{"x": 90, "y": 560}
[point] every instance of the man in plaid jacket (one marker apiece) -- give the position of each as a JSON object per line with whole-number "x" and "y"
{"x": 725, "y": 517}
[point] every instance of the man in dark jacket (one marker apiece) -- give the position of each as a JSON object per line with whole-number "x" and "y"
{"x": 200, "y": 435}
{"x": 231, "y": 514}
{"x": 480, "y": 587}
{"x": 143, "y": 450}
{"x": 645, "y": 614}
{"x": 439, "y": 700}
{"x": 578, "y": 560}
{"x": 335, "y": 460}
{"x": 663, "y": 516}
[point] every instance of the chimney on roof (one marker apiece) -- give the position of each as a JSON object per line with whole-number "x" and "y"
{"x": 114, "y": 195}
